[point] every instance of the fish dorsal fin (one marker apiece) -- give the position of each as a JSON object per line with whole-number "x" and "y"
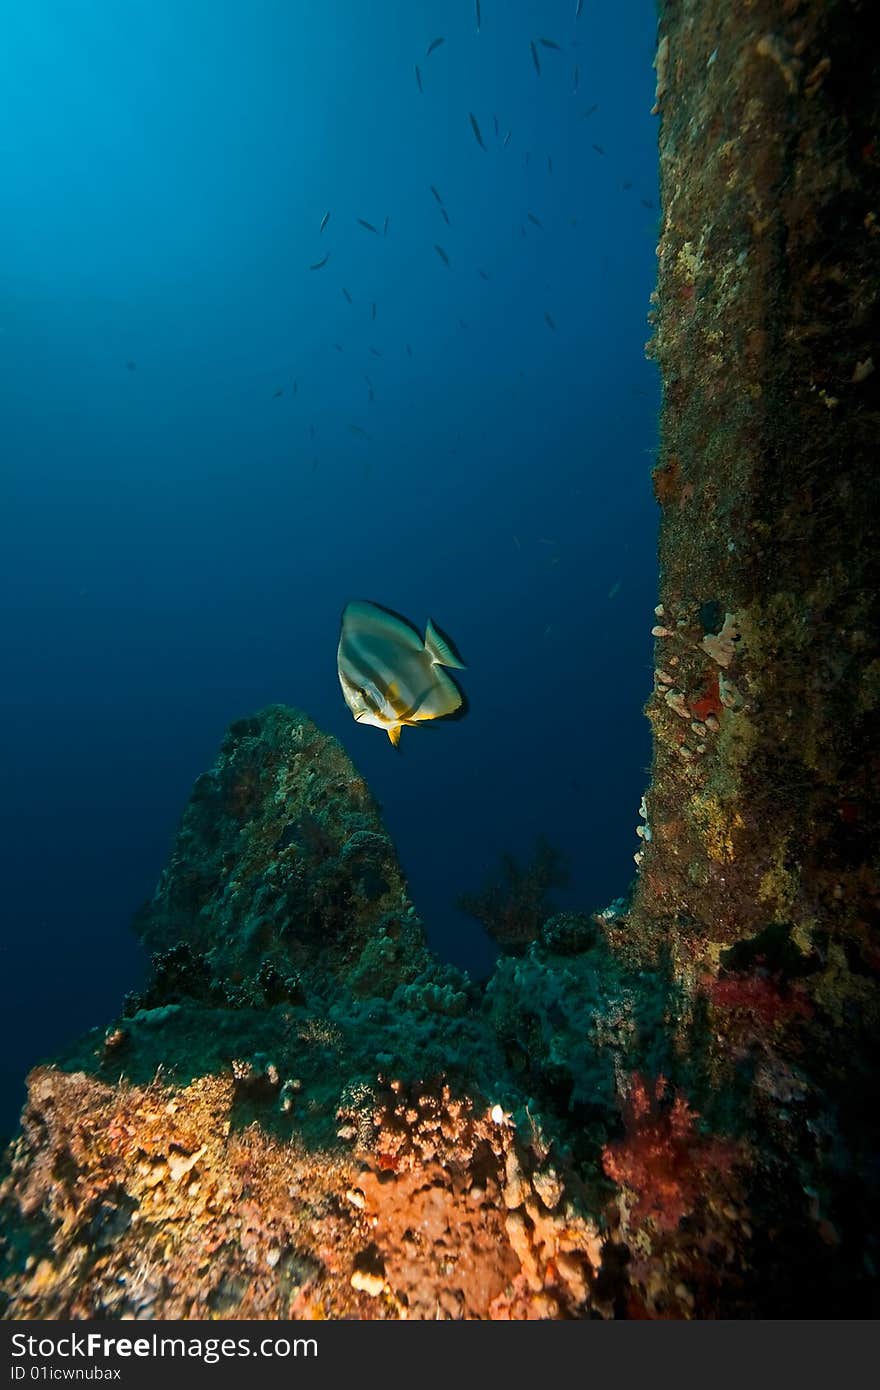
{"x": 393, "y": 732}
{"x": 439, "y": 650}
{"x": 373, "y": 621}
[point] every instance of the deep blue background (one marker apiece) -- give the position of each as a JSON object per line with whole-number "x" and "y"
{"x": 177, "y": 547}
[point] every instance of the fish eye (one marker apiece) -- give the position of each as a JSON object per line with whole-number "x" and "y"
{"x": 369, "y": 697}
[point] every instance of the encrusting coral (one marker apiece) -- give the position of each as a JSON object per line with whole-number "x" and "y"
{"x": 148, "y": 1202}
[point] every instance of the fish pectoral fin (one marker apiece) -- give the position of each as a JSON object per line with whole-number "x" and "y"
{"x": 393, "y": 732}
{"x": 439, "y": 650}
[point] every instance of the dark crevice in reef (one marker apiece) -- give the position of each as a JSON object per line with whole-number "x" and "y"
{"x": 668, "y": 1109}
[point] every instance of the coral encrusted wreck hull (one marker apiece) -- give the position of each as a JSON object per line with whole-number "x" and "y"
{"x": 668, "y": 1110}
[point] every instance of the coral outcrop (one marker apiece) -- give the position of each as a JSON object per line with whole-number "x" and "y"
{"x": 281, "y": 868}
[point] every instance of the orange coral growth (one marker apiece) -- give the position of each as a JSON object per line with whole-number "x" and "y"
{"x": 471, "y": 1224}
{"x": 709, "y": 702}
{"x": 666, "y": 478}
{"x": 439, "y": 1212}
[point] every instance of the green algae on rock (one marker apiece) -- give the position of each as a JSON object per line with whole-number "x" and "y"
{"x": 282, "y": 868}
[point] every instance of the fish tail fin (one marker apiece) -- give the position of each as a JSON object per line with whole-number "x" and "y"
{"x": 394, "y": 734}
{"x": 440, "y": 650}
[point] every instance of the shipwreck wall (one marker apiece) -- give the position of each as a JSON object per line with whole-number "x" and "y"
{"x": 763, "y": 804}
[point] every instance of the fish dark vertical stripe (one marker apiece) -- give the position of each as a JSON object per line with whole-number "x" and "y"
{"x": 415, "y": 704}
{"x": 362, "y": 670}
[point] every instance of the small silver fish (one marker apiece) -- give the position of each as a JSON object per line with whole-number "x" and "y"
{"x": 368, "y": 226}
{"x": 390, "y": 676}
{"x": 477, "y": 8}
{"x": 476, "y": 129}
{"x": 436, "y": 195}
{"x": 419, "y": 79}
{"x": 373, "y": 313}
{"x": 324, "y": 220}
{"x": 577, "y": 9}
{"x": 385, "y": 225}
{"x": 532, "y": 218}
{"x": 443, "y": 256}
{"x": 535, "y": 59}
{"x": 435, "y": 43}
{"x": 347, "y": 295}
{"x": 445, "y": 215}
{"x": 549, "y": 43}
{"x": 319, "y": 265}
{"x": 549, "y": 321}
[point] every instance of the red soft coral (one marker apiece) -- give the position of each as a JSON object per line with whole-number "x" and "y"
{"x": 663, "y": 1158}
{"x": 760, "y": 997}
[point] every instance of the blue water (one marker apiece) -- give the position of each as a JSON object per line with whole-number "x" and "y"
{"x": 178, "y": 541}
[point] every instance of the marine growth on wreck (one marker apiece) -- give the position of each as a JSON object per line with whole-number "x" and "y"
{"x": 661, "y": 1108}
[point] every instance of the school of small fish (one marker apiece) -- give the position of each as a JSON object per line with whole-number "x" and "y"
{"x": 390, "y": 675}
{"x": 536, "y": 45}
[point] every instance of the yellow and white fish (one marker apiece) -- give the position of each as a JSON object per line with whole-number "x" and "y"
{"x": 390, "y": 676}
